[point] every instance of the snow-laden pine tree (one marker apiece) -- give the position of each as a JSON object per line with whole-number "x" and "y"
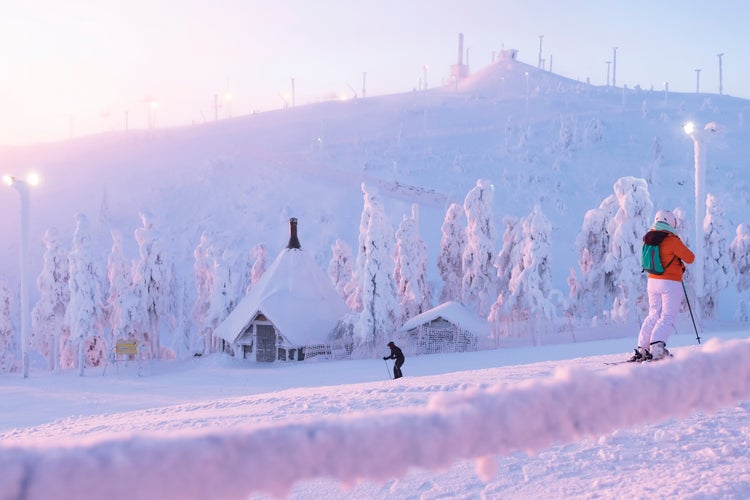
{"x": 500, "y": 316}
{"x": 651, "y": 168}
{"x": 100, "y": 244}
{"x": 630, "y": 223}
{"x": 566, "y": 136}
{"x": 151, "y": 283}
{"x": 380, "y": 311}
{"x": 48, "y": 316}
{"x": 593, "y": 132}
{"x": 479, "y": 287}
{"x": 126, "y": 318}
{"x": 596, "y": 288}
{"x": 410, "y": 271}
{"x": 7, "y": 333}
{"x": 355, "y": 298}
{"x": 203, "y": 267}
{"x": 84, "y": 314}
{"x": 507, "y": 256}
{"x": 341, "y": 269}
{"x": 224, "y": 293}
{"x": 451, "y": 249}
{"x": 526, "y": 300}
{"x": 740, "y": 255}
{"x": 259, "y": 256}
{"x": 718, "y": 271}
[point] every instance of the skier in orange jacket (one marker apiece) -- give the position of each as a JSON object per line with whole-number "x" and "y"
{"x": 664, "y": 290}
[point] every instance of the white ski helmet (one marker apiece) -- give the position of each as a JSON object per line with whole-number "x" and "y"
{"x": 666, "y": 216}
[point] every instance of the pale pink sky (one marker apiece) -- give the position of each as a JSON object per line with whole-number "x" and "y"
{"x": 87, "y": 63}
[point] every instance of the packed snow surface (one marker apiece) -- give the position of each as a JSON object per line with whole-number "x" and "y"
{"x": 554, "y": 425}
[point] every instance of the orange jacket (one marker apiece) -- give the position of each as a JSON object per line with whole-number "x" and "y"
{"x": 673, "y": 248}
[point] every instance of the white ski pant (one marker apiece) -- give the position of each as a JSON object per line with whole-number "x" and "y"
{"x": 664, "y": 300}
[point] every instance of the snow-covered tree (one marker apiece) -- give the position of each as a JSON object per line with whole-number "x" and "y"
{"x": 341, "y": 269}
{"x": 355, "y": 299}
{"x": 451, "y": 248}
{"x": 508, "y": 254}
{"x": 566, "y": 136}
{"x": 526, "y": 298}
{"x": 221, "y": 281}
{"x": 84, "y": 313}
{"x": 203, "y": 267}
{"x": 151, "y": 283}
{"x": 48, "y": 316}
{"x": 740, "y": 255}
{"x": 259, "y": 255}
{"x": 7, "y": 333}
{"x": 410, "y": 272}
{"x": 596, "y": 287}
{"x": 479, "y": 285}
{"x": 380, "y": 310}
{"x": 125, "y": 318}
{"x": 657, "y": 158}
{"x": 717, "y": 270}
{"x": 593, "y": 132}
{"x": 630, "y": 223}
{"x": 224, "y": 293}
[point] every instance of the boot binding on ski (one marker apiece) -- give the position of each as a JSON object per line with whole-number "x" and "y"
{"x": 659, "y": 350}
{"x": 641, "y": 354}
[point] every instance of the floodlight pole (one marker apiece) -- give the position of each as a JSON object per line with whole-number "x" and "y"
{"x": 721, "y": 79}
{"x": 697, "y": 81}
{"x": 614, "y": 67}
{"x": 539, "y": 64}
{"x": 23, "y": 193}
{"x": 609, "y": 64}
{"x": 699, "y": 154}
{"x": 527, "y": 95}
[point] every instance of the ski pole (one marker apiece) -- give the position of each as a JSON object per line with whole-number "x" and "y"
{"x": 691, "y": 313}
{"x": 387, "y": 369}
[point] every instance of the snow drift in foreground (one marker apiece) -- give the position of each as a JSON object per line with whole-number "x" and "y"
{"x": 476, "y": 423}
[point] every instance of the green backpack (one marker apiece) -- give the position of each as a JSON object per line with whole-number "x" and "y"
{"x": 650, "y": 256}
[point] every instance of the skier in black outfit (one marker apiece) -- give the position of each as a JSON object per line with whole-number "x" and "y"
{"x": 399, "y": 357}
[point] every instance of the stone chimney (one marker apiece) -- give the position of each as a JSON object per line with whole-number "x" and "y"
{"x": 293, "y": 240}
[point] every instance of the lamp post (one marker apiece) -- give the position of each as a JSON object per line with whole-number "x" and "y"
{"x": 698, "y": 81}
{"x": 23, "y": 192}
{"x": 539, "y": 64}
{"x": 526, "y": 74}
{"x": 228, "y": 104}
{"x": 614, "y": 66}
{"x": 151, "y": 104}
{"x": 699, "y": 137}
{"x": 609, "y": 63}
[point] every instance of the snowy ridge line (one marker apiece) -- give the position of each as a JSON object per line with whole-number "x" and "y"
{"x": 477, "y": 423}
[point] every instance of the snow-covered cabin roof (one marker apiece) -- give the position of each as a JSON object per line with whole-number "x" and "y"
{"x": 295, "y": 295}
{"x": 454, "y": 313}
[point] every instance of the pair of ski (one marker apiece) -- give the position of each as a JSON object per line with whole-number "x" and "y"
{"x": 637, "y": 361}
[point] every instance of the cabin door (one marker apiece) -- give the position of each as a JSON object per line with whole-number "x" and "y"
{"x": 265, "y": 337}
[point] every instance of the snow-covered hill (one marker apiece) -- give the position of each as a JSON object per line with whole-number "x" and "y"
{"x": 539, "y": 138}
